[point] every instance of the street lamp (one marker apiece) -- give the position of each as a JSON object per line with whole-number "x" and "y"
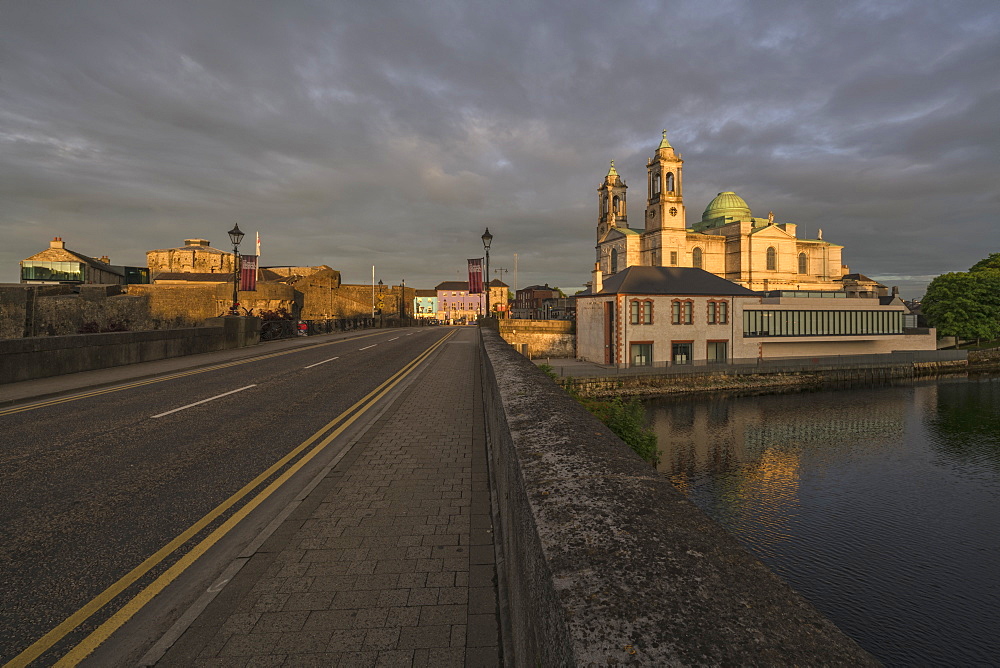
{"x": 402, "y": 303}
{"x": 236, "y": 236}
{"x": 487, "y": 240}
{"x": 381, "y": 304}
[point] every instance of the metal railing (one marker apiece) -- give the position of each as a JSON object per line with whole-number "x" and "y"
{"x": 762, "y": 365}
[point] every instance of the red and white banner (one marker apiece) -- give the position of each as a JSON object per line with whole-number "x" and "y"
{"x": 476, "y": 276}
{"x": 248, "y": 273}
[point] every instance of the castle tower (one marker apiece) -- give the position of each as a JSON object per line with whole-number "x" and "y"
{"x": 611, "y": 210}
{"x": 665, "y": 189}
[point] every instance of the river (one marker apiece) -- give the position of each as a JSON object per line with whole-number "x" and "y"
{"x": 880, "y": 505}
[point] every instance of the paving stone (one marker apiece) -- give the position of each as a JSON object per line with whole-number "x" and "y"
{"x": 303, "y": 642}
{"x": 413, "y": 637}
{"x": 435, "y": 615}
{"x": 281, "y": 621}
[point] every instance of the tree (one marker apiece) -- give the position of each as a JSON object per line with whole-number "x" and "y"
{"x": 991, "y": 262}
{"x": 966, "y": 304}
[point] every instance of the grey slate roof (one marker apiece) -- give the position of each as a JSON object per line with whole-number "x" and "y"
{"x": 670, "y": 281}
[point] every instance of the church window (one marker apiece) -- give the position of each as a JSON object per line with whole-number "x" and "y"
{"x": 696, "y": 258}
{"x": 656, "y": 184}
{"x": 803, "y": 264}
{"x": 670, "y": 182}
{"x": 673, "y": 211}
{"x": 772, "y": 259}
{"x": 673, "y": 257}
{"x": 614, "y": 260}
{"x": 604, "y": 205}
{"x": 616, "y": 206}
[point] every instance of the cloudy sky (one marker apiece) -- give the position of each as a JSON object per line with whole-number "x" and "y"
{"x": 393, "y": 133}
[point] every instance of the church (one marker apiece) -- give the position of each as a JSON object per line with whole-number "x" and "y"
{"x": 728, "y": 241}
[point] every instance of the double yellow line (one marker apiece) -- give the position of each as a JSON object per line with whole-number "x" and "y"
{"x": 324, "y": 436}
{"x": 160, "y": 379}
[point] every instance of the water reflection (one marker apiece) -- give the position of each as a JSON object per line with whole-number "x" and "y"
{"x": 878, "y": 504}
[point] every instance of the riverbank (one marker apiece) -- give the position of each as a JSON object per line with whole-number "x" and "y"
{"x": 762, "y": 382}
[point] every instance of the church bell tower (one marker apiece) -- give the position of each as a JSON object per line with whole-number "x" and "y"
{"x": 611, "y": 203}
{"x": 665, "y": 189}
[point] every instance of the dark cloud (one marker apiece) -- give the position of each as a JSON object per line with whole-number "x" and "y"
{"x": 393, "y": 133}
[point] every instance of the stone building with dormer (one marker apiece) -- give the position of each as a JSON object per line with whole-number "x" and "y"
{"x": 728, "y": 241}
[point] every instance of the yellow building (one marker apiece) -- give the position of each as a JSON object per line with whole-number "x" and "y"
{"x": 728, "y": 241}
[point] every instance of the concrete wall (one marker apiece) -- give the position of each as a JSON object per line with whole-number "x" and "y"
{"x": 41, "y": 357}
{"x": 544, "y": 338}
{"x": 603, "y": 562}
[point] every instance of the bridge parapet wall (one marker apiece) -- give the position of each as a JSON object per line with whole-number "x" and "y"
{"x": 41, "y": 357}
{"x": 603, "y": 562}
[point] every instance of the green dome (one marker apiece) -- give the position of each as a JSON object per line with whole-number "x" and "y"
{"x": 727, "y": 205}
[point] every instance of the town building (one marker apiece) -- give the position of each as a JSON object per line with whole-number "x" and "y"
{"x": 728, "y": 240}
{"x": 643, "y": 316}
{"x": 58, "y": 264}
{"x": 457, "y": 305}
{"x": 529, "y": 303}
{"x": 425, "y": 304}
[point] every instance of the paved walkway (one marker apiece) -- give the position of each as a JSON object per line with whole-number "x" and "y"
{"x": 388, "y": 561}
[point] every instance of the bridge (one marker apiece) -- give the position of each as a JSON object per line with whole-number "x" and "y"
{"x": 406, "y": 496}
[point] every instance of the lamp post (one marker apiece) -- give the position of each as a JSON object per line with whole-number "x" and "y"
{"x": 236, "y": 236}
{"x": 381, "y": 303}
{"x": 402, "y": 303}
{"x": 487, "y": 240}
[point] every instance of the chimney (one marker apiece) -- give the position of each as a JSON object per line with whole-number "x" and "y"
{"x": 105, "y": 259}
{"x": 895, "y": 291}
{"x": 598, "y": 282}
{"x": 57, "y": 242}
{"x": 196, "y": 242}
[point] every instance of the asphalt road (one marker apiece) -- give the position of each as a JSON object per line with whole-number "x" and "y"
{"x": 92, "y": 487}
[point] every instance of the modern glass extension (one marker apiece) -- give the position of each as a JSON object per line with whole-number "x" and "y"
{"x": 821, "y": 323}
{"x": 35, "y": 270}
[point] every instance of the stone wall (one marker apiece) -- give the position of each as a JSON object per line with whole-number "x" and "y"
{"x": 603, "y": 562}
{"x": 543, "y": 338}
{"x": 55, "y": 310}
{"x": 188, "y": 303}
{"x": 44, "y": 356}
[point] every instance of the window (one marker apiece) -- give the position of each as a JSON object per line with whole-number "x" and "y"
{"x": 673, "y": 211}
{"x": 680, "y": 352}
{"x": 717, "y": 351}
{"x": 673, "y": 257}
{"x": 656, "y": 184}
{"x": 641, "y": 354}
{"x": 616, "y": 206}
{"x": 718, "y": 312}
{"x": 681, "y": 312}
{"x": 803, "y": 264}
{"x": 641, "y": 312}
{"x": 821, "y": 323}
{"x": 696, "y": 258}
{"x": 772, "y": 259}
{"x": 614, "y": 260}
{"x": 604, "y": 205}
{"x": 670, "y": 182}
